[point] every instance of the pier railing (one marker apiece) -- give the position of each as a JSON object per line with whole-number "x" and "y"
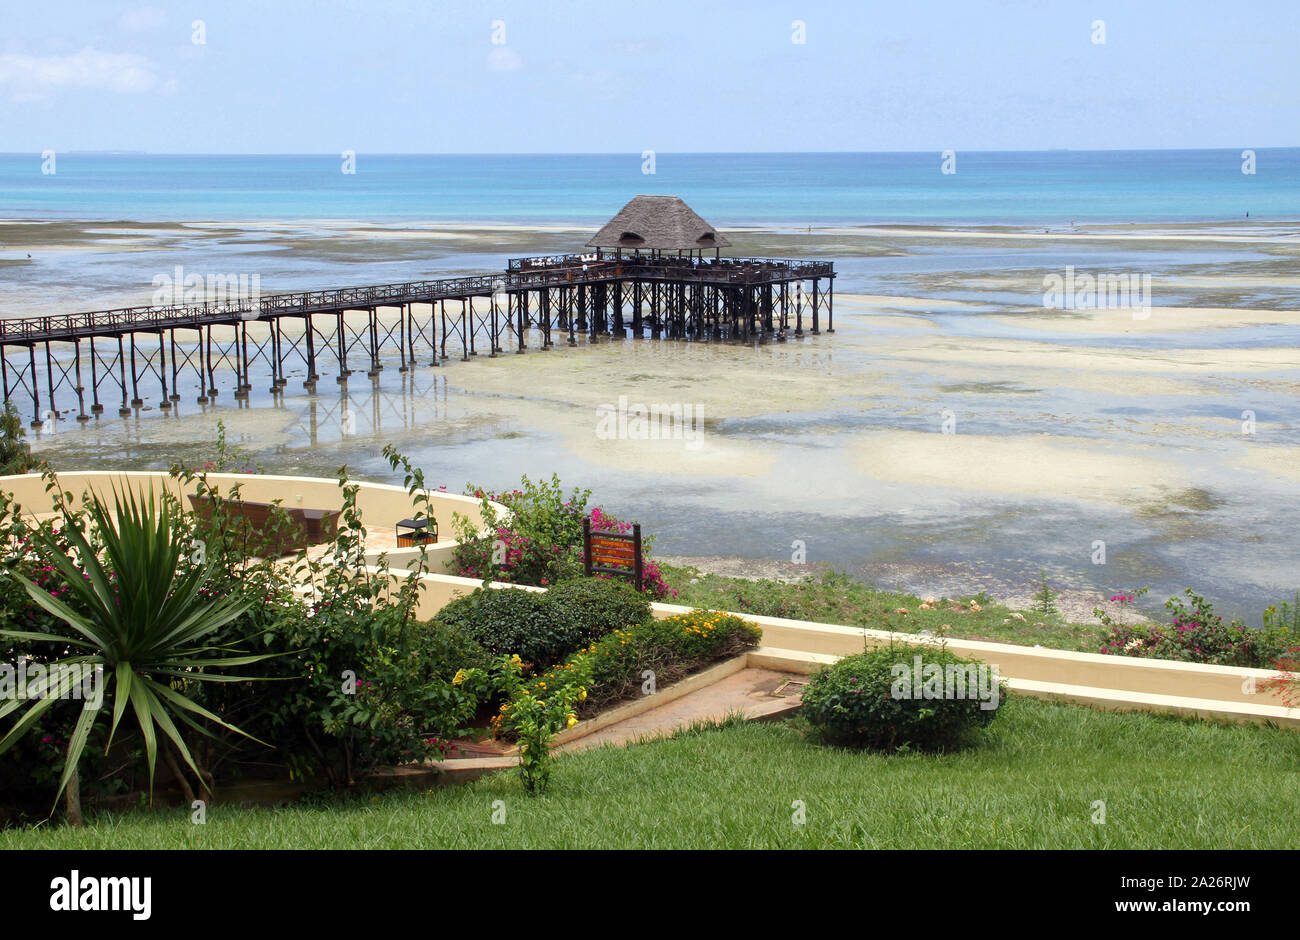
{"x": 566, "y": 271}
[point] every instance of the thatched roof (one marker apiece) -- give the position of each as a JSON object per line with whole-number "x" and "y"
{"x": 660, "y": 222}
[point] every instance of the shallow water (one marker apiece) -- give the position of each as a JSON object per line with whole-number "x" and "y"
{"x": 836, "y": 441}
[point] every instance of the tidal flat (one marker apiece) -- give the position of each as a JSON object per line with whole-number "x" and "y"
{"x": 952, "y": 435}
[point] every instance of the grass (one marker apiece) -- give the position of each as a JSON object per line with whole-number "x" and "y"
{"x": 1032, "y": 782}
{"x": 835, "y": 598}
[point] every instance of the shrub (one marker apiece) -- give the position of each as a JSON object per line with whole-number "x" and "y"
{"x": 539, "y": 540}
{"x": 360, "y": 682}
{"x": 868, "y": 700}
{"x": 363, "y": 683}
{"x": 509, "y": 621}
{"x": 536, "y": 718}
{"x": 446, "y": 650}
{"x": 533, "y": 543}
{"x": 614, "y": 667}
{"x": 15, "y": 452}
{"x": 1197, "y": 634}
{"x": 597, "y": 606}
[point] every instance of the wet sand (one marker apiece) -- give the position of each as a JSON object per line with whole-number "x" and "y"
{"x": 1071, "y": 427}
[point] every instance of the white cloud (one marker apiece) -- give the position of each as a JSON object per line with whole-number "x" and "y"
{"x": 143, "y": 19}
{"x": 504, "y": 59}
{"x": 27, "y": 77}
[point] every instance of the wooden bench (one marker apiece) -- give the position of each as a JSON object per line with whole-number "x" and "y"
{"x": 298, "y": 528}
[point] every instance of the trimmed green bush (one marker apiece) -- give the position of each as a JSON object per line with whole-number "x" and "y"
{"x": 901, "y": 698}
{"x": 598, "y": 606}
{"x": 446, "y": 650}
{"x": 509, "y": 621}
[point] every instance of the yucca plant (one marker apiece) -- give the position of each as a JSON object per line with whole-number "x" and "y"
{"x": 141, "y": 612}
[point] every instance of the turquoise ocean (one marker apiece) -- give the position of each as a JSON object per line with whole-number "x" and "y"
{"x": 775, "y": 189}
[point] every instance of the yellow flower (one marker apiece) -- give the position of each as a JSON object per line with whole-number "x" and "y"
{"x": 582, "y": 695}
{"x": 573, "y": 720}
{"x": 460, "y": 677}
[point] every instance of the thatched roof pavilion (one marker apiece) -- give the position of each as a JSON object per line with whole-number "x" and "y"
{"x": 657, "y": 224}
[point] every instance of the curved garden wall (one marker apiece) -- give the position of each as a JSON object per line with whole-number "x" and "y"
{"x": 381, "y": 504}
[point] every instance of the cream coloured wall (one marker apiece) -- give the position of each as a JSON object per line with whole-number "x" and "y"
{"x": 381, "y": 505}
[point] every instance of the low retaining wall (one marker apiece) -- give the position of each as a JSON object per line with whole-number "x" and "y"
{"x": 381, "y": 504}
{"x": 1121, "y": 682}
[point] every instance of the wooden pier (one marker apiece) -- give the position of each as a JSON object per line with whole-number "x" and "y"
{"x": 79, "y": 364}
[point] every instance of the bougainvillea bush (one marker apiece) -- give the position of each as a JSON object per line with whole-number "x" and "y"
{"x": 538, "y": 539}
{"x": 1195, "y": 634}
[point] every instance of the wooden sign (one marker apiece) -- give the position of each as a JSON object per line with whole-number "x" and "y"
{"x": 612, "y": 553}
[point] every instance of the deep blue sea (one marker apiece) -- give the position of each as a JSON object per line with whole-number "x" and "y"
{"x": 779, "y": 189}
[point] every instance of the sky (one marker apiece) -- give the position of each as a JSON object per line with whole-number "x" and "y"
{"x": 383, "y": 76}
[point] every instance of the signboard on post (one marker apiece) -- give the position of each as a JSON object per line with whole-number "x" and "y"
{"x": 612, "y": 553}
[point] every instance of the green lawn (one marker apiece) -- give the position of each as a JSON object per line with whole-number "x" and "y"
{"x": 1031, "y": 783}
{"x": 835, "y": 598}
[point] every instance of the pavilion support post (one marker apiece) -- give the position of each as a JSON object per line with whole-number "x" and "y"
{"x": 830, "y": 306}
{"x": 816, "y": 300}
{"x": 656, "y": 321}
{"x": 521, "y": 317}
{"x": 636, "y": 309}
{"x": 544, "y": 316}
{"x": 616, "y": 310}
{"x": 798, "y": 308}
{"x": 566, "y": 308}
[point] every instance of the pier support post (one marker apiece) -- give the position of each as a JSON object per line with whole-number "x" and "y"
{"x": 344, "y": 372}
{"x": 95, "y": 407}
{"x": 123, "y": 411}
{"x": 175, "y": 384}
{"x": 49, "y": 379}
{"x": 309, "y": 383}
{"x": 374, "y": 343}
{"x": 81, "y": 389}
{"x": 36, "y": 387}
{"x": 136, "y": 400}
{"x": 165, "y": 403}
{"x": 521, "y": 317}
{"x": 242, "y": 385}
